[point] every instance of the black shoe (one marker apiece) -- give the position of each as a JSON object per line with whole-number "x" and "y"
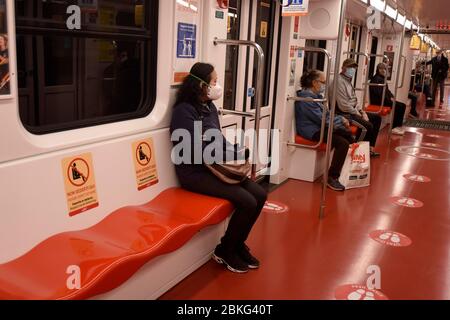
{"x": 335, "y": 185}
{"x": 233, "y": 262}
{"x": 246, "y": 256}
{"x": 374, "y": 154}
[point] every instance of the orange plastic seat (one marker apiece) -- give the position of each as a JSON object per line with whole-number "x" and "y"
{"x": 354, "y": 130}
{"x": 376, "y": 109}
{"x": 304, "y": 141}
{"x": 110, "y": 252}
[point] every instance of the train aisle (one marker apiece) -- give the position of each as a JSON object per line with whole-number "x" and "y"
{"x": 406, "y": 209}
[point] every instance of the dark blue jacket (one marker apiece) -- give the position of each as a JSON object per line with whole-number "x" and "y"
{"x": 439, "y": 68}
{"x": 308, "y": 116}
{"x": 184, "y": 117}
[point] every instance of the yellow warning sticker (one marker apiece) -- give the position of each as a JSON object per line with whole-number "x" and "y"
{"x": 79, "y": 181}
{"x": 145, "y": 163}
{"x": 263, "y": 31}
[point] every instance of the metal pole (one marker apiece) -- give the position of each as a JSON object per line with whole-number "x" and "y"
{"x": 397, "y": 79}
{"x": 333, "y": 108}
{"x": 404, "y": 70}
{"x": 258, "y": 92}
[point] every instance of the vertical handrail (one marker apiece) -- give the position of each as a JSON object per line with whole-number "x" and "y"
{"x": 258, "y": 91}
{"x": 425, "y": 71}
{"x": 397, "y": 78}
{"x": 324, "y": 101}
{"x": 404, "y": 70}
{"x": 366, "y": 55}
{"x": 333, "y": 107}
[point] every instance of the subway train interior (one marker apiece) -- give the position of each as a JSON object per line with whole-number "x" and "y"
{"x": 340, "y": 108}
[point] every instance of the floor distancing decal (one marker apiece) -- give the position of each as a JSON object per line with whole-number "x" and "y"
{"x": 407, "y": 202}
{"x": 391, "y": 238}
{"x": 358, "y": 292}
{"x": 275, "y": 207}
{"x": 417, "y": 178}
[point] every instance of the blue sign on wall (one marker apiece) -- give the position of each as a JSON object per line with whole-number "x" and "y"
{"x": 187, "y": 41}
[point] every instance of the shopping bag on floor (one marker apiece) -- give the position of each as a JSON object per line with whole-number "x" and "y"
{"x": 356, "y": 170}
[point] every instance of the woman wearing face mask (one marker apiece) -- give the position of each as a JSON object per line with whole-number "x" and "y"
{"x": 195, "y": 103}
{"x": 376, "y": 95}
{"x": 308, "y": 118}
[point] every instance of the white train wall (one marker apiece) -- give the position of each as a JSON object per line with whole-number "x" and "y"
{"x": 32, "y": 193}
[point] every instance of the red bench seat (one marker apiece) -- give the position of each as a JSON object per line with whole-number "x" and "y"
{"x": 110, "y": 252}
{"x": 376, "y": 109}
{"x": 323, "y": 147}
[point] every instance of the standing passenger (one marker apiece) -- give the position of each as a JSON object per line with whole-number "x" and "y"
{"x": 195, "y": 103}
{"x": 439, "y": 74}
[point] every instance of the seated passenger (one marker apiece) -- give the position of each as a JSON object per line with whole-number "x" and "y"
{"x": 347, "y": 105}
{"x": 194, "y": 104}
{"x": 308, "y": 118}
{"x": 376, "y": 95}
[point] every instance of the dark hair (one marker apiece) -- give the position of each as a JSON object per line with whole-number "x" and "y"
{"x": 308, "y": 78}
{"x": 191, "y": 90}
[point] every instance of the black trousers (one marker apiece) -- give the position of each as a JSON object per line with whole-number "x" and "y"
{"x": 399, "y": 114}
{"x": 372, "y": 126}
{"x": 341, "y": 142}
{"x": 441, "y": 84}
{"x": 248, "y": 198}
{"x": 413, "y": 104}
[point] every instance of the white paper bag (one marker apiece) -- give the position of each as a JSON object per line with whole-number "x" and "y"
{"x": 356, "y": 170}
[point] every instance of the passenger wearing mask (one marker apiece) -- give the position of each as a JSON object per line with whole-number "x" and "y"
{"x": 376, "y": 95}
{"x": 347, "y": 105}
{"x": 308, "y": 118}
{"x": 439, "y": 74}
{"x": 194, "y": 104}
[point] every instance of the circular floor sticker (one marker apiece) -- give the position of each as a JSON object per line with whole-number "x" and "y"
{"x": 275, "y": 207}
{"x": 391, "y": 238}
{"x": 417, "y": 178}
{"x": 425, "y": 153}
{"x": 435, "y": 136}
{"x": 431, "y": 145}
{"x": 407, "y": 202}
{"x": 358, "y": 292}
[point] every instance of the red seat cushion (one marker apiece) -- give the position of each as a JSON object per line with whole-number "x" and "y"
{"x": 354, "y": 130}
{"x": 376, "y": 109}
{"x": 303, "y": 141}
{"x": 110, "y": 252}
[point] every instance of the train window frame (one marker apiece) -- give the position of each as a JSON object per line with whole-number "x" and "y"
{"x": 148, "y": 40}
{"x": 10, "y": 71}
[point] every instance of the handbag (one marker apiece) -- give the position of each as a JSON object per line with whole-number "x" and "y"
{"x": 230, "y": 172}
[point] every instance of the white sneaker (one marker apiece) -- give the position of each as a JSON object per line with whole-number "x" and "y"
{"x": 398, "y": 131}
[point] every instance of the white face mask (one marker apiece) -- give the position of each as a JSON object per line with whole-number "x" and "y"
{"x": 322, "y": 90}
{"x": 215, "y": 92}
{"x": 350, "y": 72}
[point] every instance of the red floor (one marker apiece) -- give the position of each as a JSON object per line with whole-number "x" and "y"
{"x": 304, "y": 258}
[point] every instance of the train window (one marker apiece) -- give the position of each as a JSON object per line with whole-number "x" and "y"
{"x": 233, "y": 30}
{"x": 102, "y": 71}
{"x": 314, "y": 60}
{"x": 4, "y": 53}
